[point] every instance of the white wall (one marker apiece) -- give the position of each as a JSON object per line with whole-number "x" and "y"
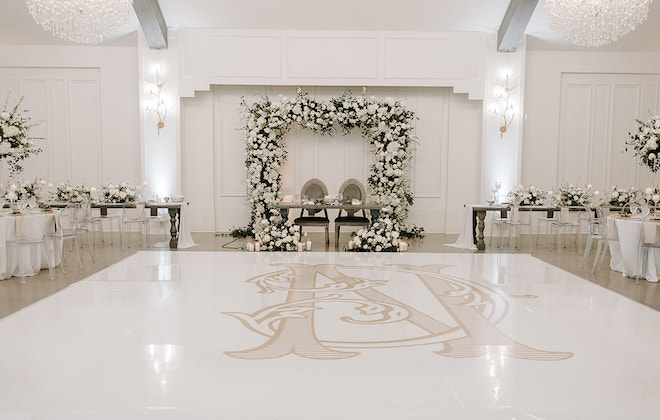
{"x": 444, "y": 173}
{"x": 87, "y": 100}
{"x": 579, "y": 109}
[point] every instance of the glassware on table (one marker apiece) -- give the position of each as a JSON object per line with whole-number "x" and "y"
{"x": 645, "y": 211}
{"x": 21, "y": 205}
{"x": 32, "y": 203}
{"x": 634, "y": 208}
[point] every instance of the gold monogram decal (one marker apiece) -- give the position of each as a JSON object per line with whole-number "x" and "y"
{"x": 457, "y": 316}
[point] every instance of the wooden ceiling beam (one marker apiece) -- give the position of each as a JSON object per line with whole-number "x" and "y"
{"x": 514, "y": 24}
{"x": 152, "y": 22}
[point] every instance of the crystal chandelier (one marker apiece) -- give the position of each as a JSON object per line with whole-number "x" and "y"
{"x": 84, "y": 21}
{"x": 592, "y": 23}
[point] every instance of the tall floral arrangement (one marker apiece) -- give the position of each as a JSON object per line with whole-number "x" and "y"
{"x": 645, "y": 143}
{"x": 528, "y": 195}
{"x": 16, "y": 144}
{"x": 387, "y": 125}
{"x": 119, "y": 193}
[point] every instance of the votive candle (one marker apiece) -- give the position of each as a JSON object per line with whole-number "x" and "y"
{"x": 351, "y": 244}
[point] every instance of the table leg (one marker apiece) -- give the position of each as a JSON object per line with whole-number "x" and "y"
{"x": 480, "y": 216}
{"x": 174, "y": 227}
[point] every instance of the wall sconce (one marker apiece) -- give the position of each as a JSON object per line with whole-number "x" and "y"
{"x": 155, "y": 91}
{"x": 503, "y": 107}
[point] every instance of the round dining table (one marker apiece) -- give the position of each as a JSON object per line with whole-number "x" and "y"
{"x": 625, "y": 251}
{"x": 31, "y": 224}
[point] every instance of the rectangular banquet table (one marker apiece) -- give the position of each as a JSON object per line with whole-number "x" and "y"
{"x": 479, "y": 215}
{"x": 174, "y": 210}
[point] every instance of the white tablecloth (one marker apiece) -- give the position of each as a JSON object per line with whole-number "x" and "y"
{"x": 30, "y": 225}
{"x": 466, "y": 238}
{"x": 625, "y": 251}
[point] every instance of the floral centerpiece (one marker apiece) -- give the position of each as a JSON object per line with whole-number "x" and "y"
{"x": 386, "y": 124}
{"x": 620, "y": 197}
{"x": 649, "y": 196}
{"x": 527, "y": 195}
{"x": 24, "y": 190}
{"x": 646, "y": 144}
{"x": 119, "y": 193}
{"x": 16, "y": 144}
{"x": 570, "y": 195}
{"x": 379, "y": 237}
{"x": 68, "y": 193}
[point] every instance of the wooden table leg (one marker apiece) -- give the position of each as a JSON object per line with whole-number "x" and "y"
{"x": 480, "y": 215}
{"x": 174, "y": 226}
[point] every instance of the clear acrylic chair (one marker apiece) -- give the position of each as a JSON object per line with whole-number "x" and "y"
{"x": 110, "y": 217}
{"x": 66, "y": 228}
{"x": 564, "y": 223}
{"x": 135, "y": 215}
{"x": 516, "y": 221}
{"x": 649, "y": 240}
{"x": 598, "y": 229}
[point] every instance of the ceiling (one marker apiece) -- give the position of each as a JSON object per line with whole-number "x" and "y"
{"x": 18, "y": 27}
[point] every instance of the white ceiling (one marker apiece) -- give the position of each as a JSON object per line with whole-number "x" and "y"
{"x": 18, "y": 27}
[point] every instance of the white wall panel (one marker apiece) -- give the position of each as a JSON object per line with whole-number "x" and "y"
{"x": 349, "y": 57}
{"x": 85, "y": 132}
{"x": 623, "y": 86}
{"x": 448, "y": 131}
{"x": 574, "y": 134}
{"x": 331, "y": 58}
{"x": 86, "y": 98}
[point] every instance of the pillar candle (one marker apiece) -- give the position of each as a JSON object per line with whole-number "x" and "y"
{"x": 309, "y": 244}
{"x": 257, "y": 246}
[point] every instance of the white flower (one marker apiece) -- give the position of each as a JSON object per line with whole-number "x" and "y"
{"x": 5, "y": 115}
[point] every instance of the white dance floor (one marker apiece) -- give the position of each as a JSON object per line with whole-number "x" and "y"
{"x": 202, "y": 335}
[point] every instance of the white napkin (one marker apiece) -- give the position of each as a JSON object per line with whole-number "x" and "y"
{"x": 651, "y": 232}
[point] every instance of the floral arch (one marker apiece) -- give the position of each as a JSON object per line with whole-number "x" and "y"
{"x": 386, "y": 124}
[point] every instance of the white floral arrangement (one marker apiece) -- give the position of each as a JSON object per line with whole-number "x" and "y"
{"x": 380, "y": 236}
{"x": 119, "y": 193}
{"x": 15, "y": 141}
{"x": 68, "y": 193}
{"x": 645, "y": 143}
{"x": 385, "y": 123}
{"x": 24, "y": 190}
{"x": 649, "y": 196}
{"x": 527, "y": 195}
{"x": 571, "y": 195}
{"x": 619, "y": 197}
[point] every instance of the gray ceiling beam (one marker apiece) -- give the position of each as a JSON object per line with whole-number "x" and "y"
{"x": 514, "y": 23}
{"x": 152, "y": 22}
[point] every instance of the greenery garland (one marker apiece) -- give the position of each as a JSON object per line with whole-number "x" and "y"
{"x": 386, "y": 124}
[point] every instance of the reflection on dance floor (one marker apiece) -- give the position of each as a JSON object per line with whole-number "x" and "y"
{"x": 330, "y": 335}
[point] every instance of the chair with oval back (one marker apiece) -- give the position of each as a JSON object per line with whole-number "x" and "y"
{"x": 350, "y": 190}
{"x": 316, "y": 190}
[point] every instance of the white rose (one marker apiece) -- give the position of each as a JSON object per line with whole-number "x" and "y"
{"x": 5, "y": 116}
